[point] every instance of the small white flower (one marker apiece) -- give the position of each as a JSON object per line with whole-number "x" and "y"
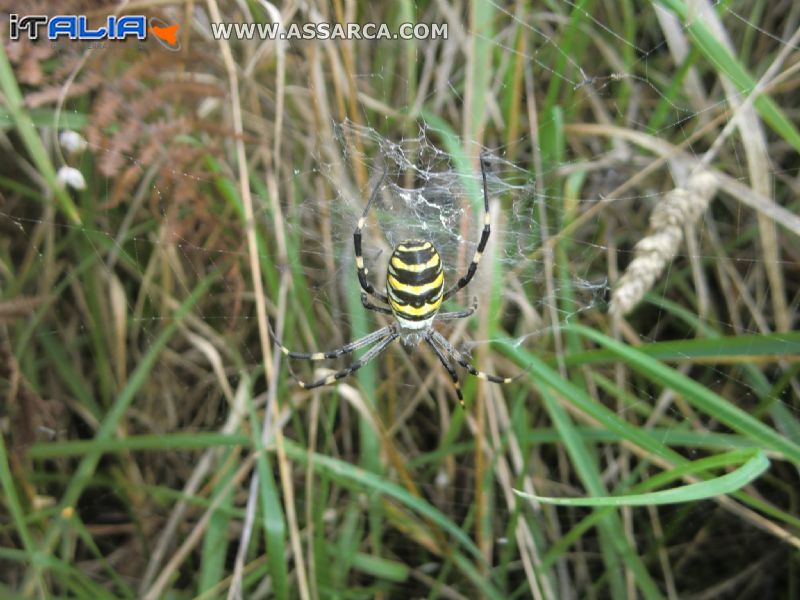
{"x": 71, "y": 177}
{"x": 442, "y": 480}
{"x": 72, "y": 141}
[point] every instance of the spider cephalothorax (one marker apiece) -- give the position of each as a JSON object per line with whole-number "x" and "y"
{"x": 414, "y": 294}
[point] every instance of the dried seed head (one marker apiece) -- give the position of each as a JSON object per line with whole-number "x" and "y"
{"x": 680, "y": 207}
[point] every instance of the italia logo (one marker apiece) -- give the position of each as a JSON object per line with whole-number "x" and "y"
{"x": 76, "y": 27}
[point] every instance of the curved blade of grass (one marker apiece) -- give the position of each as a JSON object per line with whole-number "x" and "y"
{"x": 201, "y": 441}
{"x": 646, "y": 440}
{"x": 174, "y": 441}
{"x": 613, "y": 545}
{"x": 783, "y": 418}
{"x": 571, "y": 536}
{"x": 716, "y": 349}
{"x": 545, "y": 376}
{"x": 755, "y": 464}
{"x": 696, "y": 394}
{"x": 381, "y": 568}
{"x": 651, "y": 441}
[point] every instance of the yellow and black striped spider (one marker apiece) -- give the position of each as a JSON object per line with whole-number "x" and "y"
{"x": 414, "y": 294}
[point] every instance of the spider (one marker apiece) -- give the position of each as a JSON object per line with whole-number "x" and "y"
{"x": 414, "y": 293}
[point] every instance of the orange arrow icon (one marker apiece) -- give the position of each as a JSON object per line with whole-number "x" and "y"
{"x": 168, "y": 34}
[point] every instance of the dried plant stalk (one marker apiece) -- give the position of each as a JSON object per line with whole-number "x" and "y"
{"x": 680, "y": 207}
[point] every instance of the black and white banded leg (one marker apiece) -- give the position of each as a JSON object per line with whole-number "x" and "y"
{"x": 370, "y": 306}
{"x": 346, "y": 349}
{"x": 362, "y": 270}
{"x": 442, "y": 356}
{"x": 463, "y": 360}
{"x": 368, "y": 356}
{"x": 476, "y": 258}
{"x": 461, "y": 314}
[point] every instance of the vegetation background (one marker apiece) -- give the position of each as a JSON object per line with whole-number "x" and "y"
{"x": 153, "y": 443}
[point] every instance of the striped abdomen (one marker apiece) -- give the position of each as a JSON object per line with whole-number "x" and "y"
{"x": 414, "y": 283}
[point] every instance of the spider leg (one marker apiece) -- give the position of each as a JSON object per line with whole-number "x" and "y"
{"x": 362, "y": 270}
{"x": 370, "y": 306}
{"x": 461, "y": 314}
{"x": 476, "y": 258}
{"x": 446, "y": 363}
{"x": 464, "y": 361}
{"x": 368, "y": 356}
{"x": 346, "y": 349}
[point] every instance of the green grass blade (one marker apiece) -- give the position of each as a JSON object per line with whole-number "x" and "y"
{"x": 274, "y": 521}
{"x": 174, "y": 441}
{"x": 12, "y": 501}
{"x": 696, "y": 394}
{"x": 214, "y": 553}
{"x": 611, "y": 542}
{"x": 15, "y": 105}
{"x": 714, "y": 350}
{"x": 479, "y": 64}
{"x": 381, "y": 568}
{"x": 754, "y": 466}
{"x": 727, "y": 64}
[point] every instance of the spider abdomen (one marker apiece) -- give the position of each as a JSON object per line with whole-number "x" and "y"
{"x": 414, "y": 283}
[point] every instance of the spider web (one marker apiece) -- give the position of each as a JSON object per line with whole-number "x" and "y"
{"x": 428, "y": 194}
{"x": 433, "y": 191}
